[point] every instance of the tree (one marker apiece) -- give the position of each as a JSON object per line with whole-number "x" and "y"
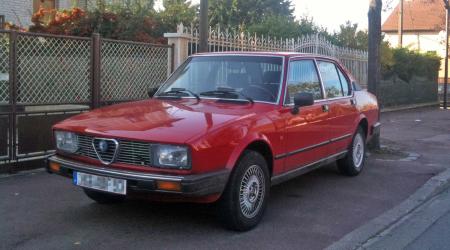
{"x": 374, "y": 68}
{"x": 374, "y": 71}
{"x": 349, "y": 36}
{"x": 286, "y": 27}
{"x": 242, "y": 13}
{"x": 175, "y": 12}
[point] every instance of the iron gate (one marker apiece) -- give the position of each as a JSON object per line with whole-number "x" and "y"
{"x": 47, "y": 78}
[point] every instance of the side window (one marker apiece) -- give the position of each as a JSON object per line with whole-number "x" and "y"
{"x": 345, "y": 83}
{"x": 330, "y": 79}
{"x": 303, "y": 77}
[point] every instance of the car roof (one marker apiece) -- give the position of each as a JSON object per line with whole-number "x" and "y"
{"x": 265, "y": 53}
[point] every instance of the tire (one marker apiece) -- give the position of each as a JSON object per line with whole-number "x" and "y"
{"x": 102, "y": 197}
{"x": 353, "y": 163}
{"x": 242, "y": 211}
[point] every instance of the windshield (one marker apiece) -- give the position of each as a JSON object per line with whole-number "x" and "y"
{"x": 253, "y": 78}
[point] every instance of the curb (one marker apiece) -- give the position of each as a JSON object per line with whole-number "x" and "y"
{"x": 360, "y": 236}
{"x": 407, "y": 107}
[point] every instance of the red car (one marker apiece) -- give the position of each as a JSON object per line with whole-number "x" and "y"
{"x": 223, "y": 128}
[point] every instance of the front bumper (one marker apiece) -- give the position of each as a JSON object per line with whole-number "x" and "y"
{"x": 191, "y": 185}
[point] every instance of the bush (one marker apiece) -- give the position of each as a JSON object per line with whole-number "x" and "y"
{"x": 122, "y": 24}
{"x": 406, "y": 64}
{"x": 409, "y": 77}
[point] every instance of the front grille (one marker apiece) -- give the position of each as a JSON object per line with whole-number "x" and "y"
{"x": 130, "y": 152}
{"x": 106, "y": 149}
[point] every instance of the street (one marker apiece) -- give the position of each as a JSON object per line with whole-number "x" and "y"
{"x": 43, "y": 211}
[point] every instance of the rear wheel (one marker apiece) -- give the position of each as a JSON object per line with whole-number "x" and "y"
{"x": 244, "y": 200}
{"x": 353, "y": 163}
{"x": 102, "y": 197}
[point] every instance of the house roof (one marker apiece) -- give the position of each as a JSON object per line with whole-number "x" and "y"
{"x": 418, "y": 15}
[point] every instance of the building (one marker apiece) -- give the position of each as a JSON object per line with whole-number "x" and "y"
{"x": 423, "y": 27}
{"x": 19, "y": 12}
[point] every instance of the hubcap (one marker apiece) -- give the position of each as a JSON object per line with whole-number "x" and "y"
{"x": 358, "y": 151}
{"x": 252, "y": 191}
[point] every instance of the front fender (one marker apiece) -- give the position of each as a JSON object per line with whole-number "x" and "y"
{"x": 249, "y": 139}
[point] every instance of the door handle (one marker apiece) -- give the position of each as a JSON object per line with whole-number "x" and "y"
{"x": 325, "y": 108}
{"x": 353, "y": 102}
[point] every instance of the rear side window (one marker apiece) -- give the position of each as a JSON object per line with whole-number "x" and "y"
{"x": 330, "y": 79}
{"x": 344, "y": 82}
{"x": 303, "y": 77}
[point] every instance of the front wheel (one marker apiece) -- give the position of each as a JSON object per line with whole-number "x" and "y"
{"x": 353, "y": 163}
{"x": 244, "y": 200}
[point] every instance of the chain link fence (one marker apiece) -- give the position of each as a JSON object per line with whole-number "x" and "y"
{"x": 130, "y": 69}
{"x": 47, "y": 78}
{"x": 52, "y": 70}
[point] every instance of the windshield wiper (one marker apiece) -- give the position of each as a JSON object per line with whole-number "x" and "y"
{"x": 177, "y": 92}
{"x": 222, "y": 92}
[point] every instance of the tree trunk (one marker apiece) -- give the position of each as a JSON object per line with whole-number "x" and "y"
{"x": 203, "y": 41}
{"x": 374, "y": 71}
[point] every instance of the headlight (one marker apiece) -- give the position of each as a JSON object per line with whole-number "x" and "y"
{"x": 66, "y": 141}
{"x": 171, "y": 156}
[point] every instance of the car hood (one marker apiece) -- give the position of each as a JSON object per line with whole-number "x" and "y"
{"x": 171, "y": 121}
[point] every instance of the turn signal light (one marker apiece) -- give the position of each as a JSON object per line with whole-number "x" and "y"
{"x": 169, "y": 186}
{"x": 55, "y": 167}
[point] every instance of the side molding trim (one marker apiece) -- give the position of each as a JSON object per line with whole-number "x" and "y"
{"x": 301, "y": 150}
{"x": 307, "y": 168}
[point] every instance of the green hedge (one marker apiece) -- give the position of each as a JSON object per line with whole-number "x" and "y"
{"x": 409, "y": 77}
{"x": 396, "y": 92}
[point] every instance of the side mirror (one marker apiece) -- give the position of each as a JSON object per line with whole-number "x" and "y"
{"x": 152, "y": 91}
{"x": 302, "y": 100}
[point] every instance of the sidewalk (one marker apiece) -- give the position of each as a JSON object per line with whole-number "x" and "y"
{"x": 428, "y": 227}
{"x": 424, "y": 134}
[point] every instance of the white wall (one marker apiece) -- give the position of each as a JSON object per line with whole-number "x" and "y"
{"x": 20, "y": 11}
{"x": 17, "y": 11}
{"x": 65, "y": 4}
{"x": 424, "y": 42}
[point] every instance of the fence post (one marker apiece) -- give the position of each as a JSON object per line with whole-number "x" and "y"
{"x": 95, "y": 70}
{"x": 171, "y": 65}
{"x": 180, "y": 41}
{"x": 12, "y": 94}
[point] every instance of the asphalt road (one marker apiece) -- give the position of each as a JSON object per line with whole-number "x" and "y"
{"x": 42, "y": 211}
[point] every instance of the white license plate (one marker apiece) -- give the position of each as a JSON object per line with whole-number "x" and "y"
{"x": 103, "y": 183}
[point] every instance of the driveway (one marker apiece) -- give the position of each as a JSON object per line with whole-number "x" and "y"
{"x": 42, "y": 211}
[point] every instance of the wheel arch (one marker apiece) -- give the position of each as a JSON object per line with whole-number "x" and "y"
{"x": 265, "y": 150}
{"x": 259, "y": 144}
{"x": 364, "y": 124}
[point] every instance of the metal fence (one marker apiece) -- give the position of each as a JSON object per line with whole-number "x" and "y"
{"x": 356, "y": 61}
{"x": 47, "y": 78}
{"x": 2, "y": 21}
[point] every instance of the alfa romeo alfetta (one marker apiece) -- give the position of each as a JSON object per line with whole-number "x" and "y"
{"x": 223, "y": 128}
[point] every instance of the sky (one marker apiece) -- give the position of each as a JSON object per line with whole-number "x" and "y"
{"x": 332, "y": 13}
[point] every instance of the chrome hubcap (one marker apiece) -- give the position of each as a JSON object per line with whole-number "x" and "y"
{"x": 358, "y": 150}
{"x": 252, "y": 191}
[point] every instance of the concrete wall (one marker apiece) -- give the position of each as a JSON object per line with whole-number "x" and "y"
{"x": 17, "y": 11}
{"x": 422, "y": 41}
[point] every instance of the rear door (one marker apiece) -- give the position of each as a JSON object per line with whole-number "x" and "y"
{"x": 342, "y": 107}
{"x": 306, "y": 134}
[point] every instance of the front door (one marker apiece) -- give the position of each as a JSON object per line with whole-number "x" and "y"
{"x": 306, "y": 133}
